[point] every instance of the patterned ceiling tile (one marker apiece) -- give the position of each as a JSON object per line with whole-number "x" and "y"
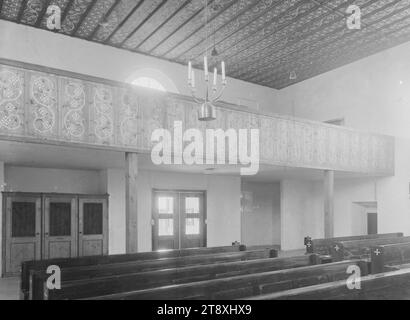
{"x": 234, "y": 32}
{"x": 193, "y": 8}
{"x": 281, "y": 29}
{"x": 261, "y": 41}
{"x": 10, "y": 9}
{"x": 169, "y": 9}
{"x": 270, "y": 57}
{"x": 120, "y": 12}
{"x": 373, "y": 33}
{"x": 91, "y": 22}
{"x": 367, "y": 48}
{"x": 142, "y": 12}
{"x": 335, "y": 40}
{"x": 74, "y": 15}
{"x": 32, "y": 11}
{"x": 233, "y": 18}
{"x": 194, "y": 24}
{"x": 62, "y": 4}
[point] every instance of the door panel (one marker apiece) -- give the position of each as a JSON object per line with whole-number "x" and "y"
{"x": 93, "y": 227}
{"x": 165, "y": 227}
{"x": 192, "y": 220}
{"x": 23, "y": 231}
{"x": 60, "y": 227}
{"x": 371, "y": 223}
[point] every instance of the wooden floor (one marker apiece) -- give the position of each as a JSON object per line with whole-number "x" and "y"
{"x": 9, "y": 287}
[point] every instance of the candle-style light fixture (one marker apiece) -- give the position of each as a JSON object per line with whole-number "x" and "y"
{"x": 213, "y": 94}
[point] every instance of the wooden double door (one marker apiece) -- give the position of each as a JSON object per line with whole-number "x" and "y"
{"x": 179, "y": 220}
{"x": 48, "y": 226}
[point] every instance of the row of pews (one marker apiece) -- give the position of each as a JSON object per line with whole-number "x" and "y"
{"x": 231, "y": 272}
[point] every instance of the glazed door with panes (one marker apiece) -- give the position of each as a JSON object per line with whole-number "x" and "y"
{"x": 178, "y": 220}
{"x": 60, "y": 227}
{"x": 23, "y": 231}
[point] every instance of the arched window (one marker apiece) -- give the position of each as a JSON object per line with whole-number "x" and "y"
{"x": 149, "y": 83}
{"x": 153, "y": 79}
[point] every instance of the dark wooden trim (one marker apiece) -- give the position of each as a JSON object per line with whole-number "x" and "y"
{"x": 1, "y": 8}
{"x": 23, "y": 6}
{"x": 105, "y": 17}
{"x": 84, "y": 16}
{"x": 163, "y": 23}
{"x": 42, "y": 13}
{"x": 142, "y": 22}
{"x": 177, "y": 29}
{"x": 123, "y": 22}
{"x": 3, "y": 236}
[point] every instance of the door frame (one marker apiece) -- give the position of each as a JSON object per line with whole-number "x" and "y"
{"x": 205, "y": 224}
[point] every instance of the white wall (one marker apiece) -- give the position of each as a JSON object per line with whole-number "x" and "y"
{"x": 301, "y": 212}
{"x": 26, "y": 179}
{"x": 261, "y": 224}
{"x": 113, "y": 183}
{"x": 26, "y": 44}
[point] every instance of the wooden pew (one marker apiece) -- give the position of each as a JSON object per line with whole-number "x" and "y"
{"x": 39, "y": 276}
{"x": 384, "y": 257}
{"x": 245, "y": 285}
{"x": 321, "y": 246}
{"x": 94, "y": 260}
{"x": 76, "y": 289}
{"x": 356, "y": 249}
{"x": 394, "y": 285}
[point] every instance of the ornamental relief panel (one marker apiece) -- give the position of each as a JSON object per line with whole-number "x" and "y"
{"x": 58, "y": 108}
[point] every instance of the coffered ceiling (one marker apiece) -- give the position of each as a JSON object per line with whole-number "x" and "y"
{"x": 274, "y": 43}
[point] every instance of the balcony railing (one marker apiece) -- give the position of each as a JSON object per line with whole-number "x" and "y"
{"x": 55, "y": 107}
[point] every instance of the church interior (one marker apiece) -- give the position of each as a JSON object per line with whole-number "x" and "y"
{"x": 204, "y": 149}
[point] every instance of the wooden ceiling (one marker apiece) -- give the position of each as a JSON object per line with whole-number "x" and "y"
{"x": 273, "y": 43}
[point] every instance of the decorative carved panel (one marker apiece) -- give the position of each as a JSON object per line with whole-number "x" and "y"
{"x": 55, "y": 108}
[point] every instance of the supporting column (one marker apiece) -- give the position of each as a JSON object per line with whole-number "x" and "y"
{"x": 329, "y": 180}
{"x": 131, "y": 173}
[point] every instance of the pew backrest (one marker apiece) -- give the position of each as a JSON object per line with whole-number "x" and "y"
{"x": 321, "y": 246}
{"x": 38, "y": 277}
{"x": 76, "y": 289}
{"x": 340, "y": 250}
{"x": 246, "y": 285}
{"x": 386, "y": 255}
{"x": 107, "y": 259}
{"x": 385, "y": 286}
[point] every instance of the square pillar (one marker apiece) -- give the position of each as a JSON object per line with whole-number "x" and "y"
{"x": 329, "y": 180}
{"x": 131, "y": 203}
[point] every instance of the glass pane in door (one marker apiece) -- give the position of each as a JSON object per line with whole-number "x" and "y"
{"x": 93, "y": 218}
{"x": 192, "y": 226}
{"x": 23, "y": 220}
{"x": 60, "y": 219}
{"x": 165, "y": 205}
{"x": 166, "y": 227}
{"x": 192, "y": 205}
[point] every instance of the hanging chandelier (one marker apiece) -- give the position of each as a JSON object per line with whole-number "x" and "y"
{"x": 213, "y": 91}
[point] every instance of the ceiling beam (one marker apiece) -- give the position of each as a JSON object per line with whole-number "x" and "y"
{"x": 84, "y": 16}
{"x": 163, "y": 23}
{"x": 104, "y": 18}
{"x": 123, "y": 21}
{"x": 142, "y": 22}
